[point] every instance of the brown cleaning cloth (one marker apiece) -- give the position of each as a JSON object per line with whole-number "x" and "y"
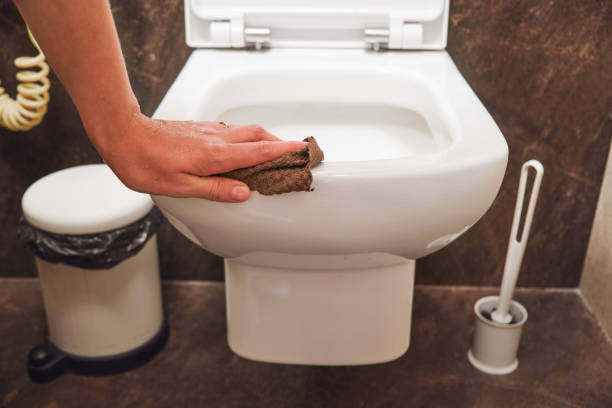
{"x": 290, "y": 172}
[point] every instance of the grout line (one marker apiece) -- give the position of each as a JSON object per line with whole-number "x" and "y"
{"x": 179, "y": 282}
{"x": 20, "y": 280}
{"x": 496, "y": 288}
{"x": 587, "y": 305}
{"x": 176, "y": 282}
{"x": 10, "y": 279}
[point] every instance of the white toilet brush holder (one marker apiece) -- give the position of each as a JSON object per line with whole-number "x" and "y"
{"x": 495, "y": 345}
{"x": 499, "y": 319}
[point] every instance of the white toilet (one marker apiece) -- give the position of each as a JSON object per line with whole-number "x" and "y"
{"x": 412, "y": 161}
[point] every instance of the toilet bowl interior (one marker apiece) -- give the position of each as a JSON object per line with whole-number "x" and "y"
{"x": 380, "y": 114}
{"x": 398, "y": 132}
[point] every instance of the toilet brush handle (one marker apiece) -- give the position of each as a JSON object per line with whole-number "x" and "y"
{"x": 516, "y": 245}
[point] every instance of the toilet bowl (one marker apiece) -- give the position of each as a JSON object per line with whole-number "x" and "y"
{"x": 412, "y": 161}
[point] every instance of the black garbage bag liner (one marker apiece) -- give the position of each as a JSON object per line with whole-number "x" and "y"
{"x": 91, "y": 251}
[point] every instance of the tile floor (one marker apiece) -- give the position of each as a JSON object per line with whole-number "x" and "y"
{"x": 565, "y": 360}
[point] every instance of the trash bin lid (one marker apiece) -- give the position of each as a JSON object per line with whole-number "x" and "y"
{"x": 83, "y": 200}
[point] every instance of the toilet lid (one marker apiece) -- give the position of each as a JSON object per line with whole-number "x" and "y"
{"x": 83, "y": 200}
{"x": 395, "y": 24}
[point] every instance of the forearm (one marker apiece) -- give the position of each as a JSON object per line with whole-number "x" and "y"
{"x": 80, "y": 42}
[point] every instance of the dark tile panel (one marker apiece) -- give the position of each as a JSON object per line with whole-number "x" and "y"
{"x": 564, "y": 360}
{"x": 539, "y": 67}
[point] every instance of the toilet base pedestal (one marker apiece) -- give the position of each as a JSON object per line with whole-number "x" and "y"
{"x": 319, "y": 309}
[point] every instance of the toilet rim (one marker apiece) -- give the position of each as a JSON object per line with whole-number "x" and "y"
{"x": 464, "y": 114}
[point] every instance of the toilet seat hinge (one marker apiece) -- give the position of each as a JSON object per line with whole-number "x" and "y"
{"x": 375, "y": 37}
{"x": 400, "y": 35}
{"x": 256, "y": 37}
{"x": 232, "y": 33}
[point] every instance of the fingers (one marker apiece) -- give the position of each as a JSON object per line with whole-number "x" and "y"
{"x": 250, "y": 133}
{"x": 236, "y": 133}
{"x": 215, "y": 188}
{"x": 238, "y": 155}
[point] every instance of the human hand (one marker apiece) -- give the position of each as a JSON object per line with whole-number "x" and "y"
{"x": 177, "y": 159}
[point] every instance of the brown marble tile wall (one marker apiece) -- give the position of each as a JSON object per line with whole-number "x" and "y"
{"x": 541, "y": 68}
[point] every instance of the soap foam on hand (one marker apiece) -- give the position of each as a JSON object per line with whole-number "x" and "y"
{"x": 290, "y": 172}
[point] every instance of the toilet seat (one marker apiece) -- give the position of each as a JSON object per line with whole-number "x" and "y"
{"x": 393, "y": 24}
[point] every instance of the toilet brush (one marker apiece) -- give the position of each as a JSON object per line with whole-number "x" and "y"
{"x": 499, "y": 318}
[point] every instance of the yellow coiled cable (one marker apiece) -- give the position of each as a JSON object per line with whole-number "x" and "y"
{"x": 29, "y": 108}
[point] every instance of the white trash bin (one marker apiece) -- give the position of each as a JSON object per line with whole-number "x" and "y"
{"x": 96, "y": 253}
